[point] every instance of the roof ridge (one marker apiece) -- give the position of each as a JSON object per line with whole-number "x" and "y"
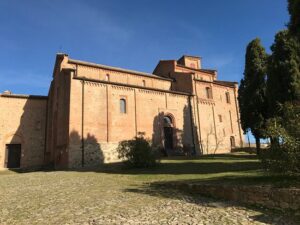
{"x": 117, "y": 68}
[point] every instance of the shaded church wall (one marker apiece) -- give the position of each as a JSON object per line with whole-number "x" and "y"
{"x": 182, "y": 82}
{"x": 75, "y": 124}
{"x": 23, "y": 121}
{"x": 57, "y": 141}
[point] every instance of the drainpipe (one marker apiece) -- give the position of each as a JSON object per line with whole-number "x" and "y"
{"x": 46, "y": 131}
{"x": 238, "y": 115}
{"x": 135, "y": 114}
{"x": 198, "y": 117}
{"x": 82, "y": 125}
{"x": 192, "y": 125}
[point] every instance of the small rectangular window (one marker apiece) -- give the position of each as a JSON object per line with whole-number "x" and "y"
{"x": 220, "y": 119}
{"x": 144, "y": 83}
{"x": 227, "y": 97}
{"x": 209, "y": 93}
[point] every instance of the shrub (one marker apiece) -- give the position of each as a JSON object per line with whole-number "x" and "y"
{"x": 137, "y": 153}
{"x": 284, "y": 153}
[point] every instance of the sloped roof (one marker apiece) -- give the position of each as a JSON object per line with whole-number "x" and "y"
{"x": 117, "y": 69}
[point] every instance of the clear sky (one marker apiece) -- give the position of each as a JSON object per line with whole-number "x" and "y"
{"x": 133, "y": 34}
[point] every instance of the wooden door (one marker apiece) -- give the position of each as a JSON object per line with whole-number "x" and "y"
{"x": 168, "y": 132}
{"x": 14, "y": 155}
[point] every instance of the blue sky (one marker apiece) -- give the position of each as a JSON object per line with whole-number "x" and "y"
{"x": 133, "y": 34}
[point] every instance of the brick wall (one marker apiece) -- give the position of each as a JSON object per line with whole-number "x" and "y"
{"x": 23, "y": 121}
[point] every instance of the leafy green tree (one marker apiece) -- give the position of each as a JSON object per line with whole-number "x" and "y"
{"x": 252, "y": 91}
{"x": 284, "y": 155}
{"x": 294, "y": 10}
{"x": 283, "y": 84}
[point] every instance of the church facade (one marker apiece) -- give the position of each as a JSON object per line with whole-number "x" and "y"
{"x": 90, "y": 108}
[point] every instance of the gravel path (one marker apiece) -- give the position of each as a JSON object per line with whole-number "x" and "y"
{"x": 98, "y": 198}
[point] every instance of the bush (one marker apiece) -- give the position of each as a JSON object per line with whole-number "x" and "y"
{"x": 137, "y": 153}
{"x": 284, "y": 153}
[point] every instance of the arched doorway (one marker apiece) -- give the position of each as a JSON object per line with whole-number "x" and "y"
{"x": 168, "y": 132}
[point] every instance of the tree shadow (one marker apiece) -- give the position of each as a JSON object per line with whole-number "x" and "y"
{"x": 177, "y": 168}
{"x": 229, "y": 156}
{"x": 176, "y": 165}
{"x": 86, "y": 152}
{"x": 82, "y": 154}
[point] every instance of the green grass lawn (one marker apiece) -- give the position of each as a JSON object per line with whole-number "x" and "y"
{"x": 237, "y": 168}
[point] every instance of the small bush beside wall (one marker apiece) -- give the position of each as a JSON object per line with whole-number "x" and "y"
{"x": 137, "y": 153}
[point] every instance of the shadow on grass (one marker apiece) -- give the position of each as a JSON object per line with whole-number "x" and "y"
{"x": 208, "y": 164}
{"x": 175, "y": 168}
{"x": 235, "y": 156}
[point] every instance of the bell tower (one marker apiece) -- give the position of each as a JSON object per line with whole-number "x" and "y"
{"x": 190, "y": 61}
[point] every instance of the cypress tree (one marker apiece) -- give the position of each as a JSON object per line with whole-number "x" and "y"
{"x": 283, "y": 84}
{"x": 294, "y": 10}
{"x": 252, "y": 91}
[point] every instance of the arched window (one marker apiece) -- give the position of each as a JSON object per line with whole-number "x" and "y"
{"x": 144, "y": 83}
{"x": 107, "y": 77}
{"x": 168, "y": 121}
{"x": 122, "y": 105}
{"x": 227, "y": 97}
{"x": 209, "y": 92}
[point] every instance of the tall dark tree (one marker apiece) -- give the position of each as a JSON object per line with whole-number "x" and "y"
{"x": 294, "y": 10}
{"x": 252, "y": 91}
{"x": 283, "y": 84}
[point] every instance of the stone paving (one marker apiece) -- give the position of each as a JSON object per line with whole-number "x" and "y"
{"x": 98, "y": 198}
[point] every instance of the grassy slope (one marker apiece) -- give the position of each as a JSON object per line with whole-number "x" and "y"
{"x": 238, "y": 168}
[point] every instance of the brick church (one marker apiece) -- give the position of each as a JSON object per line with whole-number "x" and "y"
{"x": 90, "y": 108}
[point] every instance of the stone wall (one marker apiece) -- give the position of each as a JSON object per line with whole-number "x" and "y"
{"x": 95, "y": 154}
{"x": 269, "y": 197}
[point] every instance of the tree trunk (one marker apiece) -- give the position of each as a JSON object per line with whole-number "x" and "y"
{"x": 274, "y": 142}
{"x": 257, "y": 141}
